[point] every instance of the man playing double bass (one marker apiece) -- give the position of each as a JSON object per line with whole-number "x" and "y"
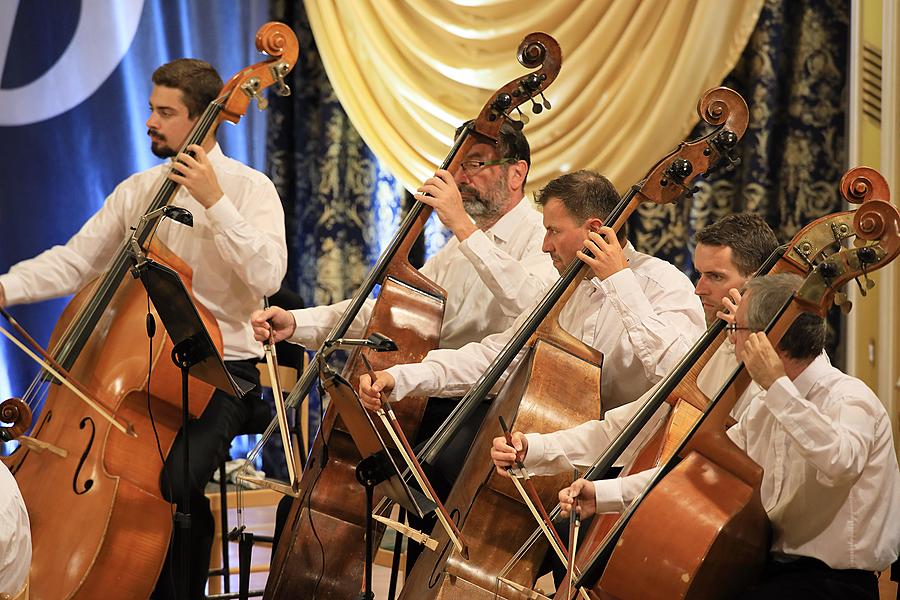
{"x": 492, "y": 269}
{"x": 728, "y": 252}
{"x": 639, "y": 311}
{"x": 238, "y": 254}
{"x": 831, "y": 483}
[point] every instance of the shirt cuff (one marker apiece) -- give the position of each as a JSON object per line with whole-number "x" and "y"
{"x": 410, "y": 379}
{"x": 13, "y": 289}
{"x": 535, "y": 452}
{"x": 779, "y": 395}
{"x": 621, "y": 283}
{"x": 608, "y": 493}
{"x": 476, "y": 246}
{"x": 223, "y": 215}
{"x": 310, "y": 326}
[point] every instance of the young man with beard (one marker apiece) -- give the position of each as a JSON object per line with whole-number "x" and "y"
{"x": 236, "y": 249}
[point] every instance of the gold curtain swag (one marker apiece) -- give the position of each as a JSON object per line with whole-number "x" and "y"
{"x": 408, "y": 72}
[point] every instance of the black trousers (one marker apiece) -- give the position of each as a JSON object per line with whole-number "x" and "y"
{"x": 210, "y": 439}
{"x": 811, "y": 578}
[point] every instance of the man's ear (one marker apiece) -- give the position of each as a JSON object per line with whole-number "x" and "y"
{"x": 515, "y": 176}
{"x": 594, "y": 224}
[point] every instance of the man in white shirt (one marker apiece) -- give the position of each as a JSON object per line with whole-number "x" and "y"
{"x": 492, "y": 269}
{"x": 639, "y": 311}
{"x": 236, "y": 249}
{"x": 728, "y": 253}
{"x": 15, "y": 537}
{"x": 831, "y": 483}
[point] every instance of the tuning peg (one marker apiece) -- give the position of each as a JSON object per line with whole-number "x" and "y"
{"x": 523, "y": 118}
{"x": 535, "y": 107}
{"x": 864, "y": 289}
{"x": 546, "y": 102}
{"x": 279, "y": 72}
{"x": 253, "y": 90}
{"x": 843, "y": 302}
{"x": 281, "y": 88}
{"x": 518, "y": 125}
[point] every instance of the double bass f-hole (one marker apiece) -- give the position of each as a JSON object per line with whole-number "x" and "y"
{"x": 88, "y": 483}
{"x": 438, "y": 567}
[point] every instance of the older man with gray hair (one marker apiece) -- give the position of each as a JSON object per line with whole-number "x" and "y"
{"x": 831, "y": 485}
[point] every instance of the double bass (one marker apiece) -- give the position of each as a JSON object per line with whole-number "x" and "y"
{"x": 321, "y": 552}
{"x": 538, "y": 396}
{"x": 680, "y": 388}
{"x": 90, "y": 475}
{"x": 702, "y": 510}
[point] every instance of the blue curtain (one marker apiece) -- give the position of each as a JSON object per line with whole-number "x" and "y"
{"x": 74, "y": 84}
{"x": 793, "y": 74}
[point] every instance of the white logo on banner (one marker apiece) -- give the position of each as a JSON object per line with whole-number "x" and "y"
{"x": 102, "y": 37}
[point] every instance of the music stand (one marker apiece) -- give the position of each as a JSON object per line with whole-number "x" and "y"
{"x": 195, "y": 354}
{"x": 378, "y": 468}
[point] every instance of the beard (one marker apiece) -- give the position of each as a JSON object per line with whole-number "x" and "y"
{"x": 158, "y": 145}
{"x": 484, "y": 206}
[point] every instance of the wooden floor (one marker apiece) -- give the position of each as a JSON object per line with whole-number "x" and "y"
{"x": 259, "y": 517}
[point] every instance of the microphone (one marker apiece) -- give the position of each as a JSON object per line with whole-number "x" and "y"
{"x": 178, "y": 214}
{"x": 376, "y": 341}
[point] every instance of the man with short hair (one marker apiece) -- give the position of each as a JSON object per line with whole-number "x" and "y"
{"x": 492, "y": 268}
{"x": 236, "y": 250}
{"x": 831, "y": 484}
{"x": 637, "y": 310}
{"x": 724, "y": 259}
{"x": 728, "y": 253}
{"x": 719, "y": 245}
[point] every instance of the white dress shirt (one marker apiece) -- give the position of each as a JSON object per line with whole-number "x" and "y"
{"x": 490, "y": 278}
{"x": 831, "y": 484}
{"x": 643, "y": 319}
{"x": 582, "y": 445}
{"x": 15, "y": 536}
{"x": 236, "y": 248}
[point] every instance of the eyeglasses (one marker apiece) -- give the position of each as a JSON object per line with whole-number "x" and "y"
{"x": 473, "y": 166}
{"x": 732, "y": 327}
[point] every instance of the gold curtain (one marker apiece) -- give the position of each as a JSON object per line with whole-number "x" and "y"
{"x": 408, "y": 72}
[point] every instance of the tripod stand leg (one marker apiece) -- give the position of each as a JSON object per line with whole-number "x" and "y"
{"x": 395, "y": 562}
{"x": 245, "y": 550}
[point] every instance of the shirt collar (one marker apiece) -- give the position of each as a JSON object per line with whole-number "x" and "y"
{"x": 505, "y": 228}
{"x": 812, "y": 374}
{"x": 216, "y": 153}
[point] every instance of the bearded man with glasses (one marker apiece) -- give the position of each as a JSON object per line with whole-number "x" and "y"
{"x": 493, "y": 269}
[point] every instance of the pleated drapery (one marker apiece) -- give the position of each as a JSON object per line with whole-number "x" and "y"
{"x": 409, "y": 71}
